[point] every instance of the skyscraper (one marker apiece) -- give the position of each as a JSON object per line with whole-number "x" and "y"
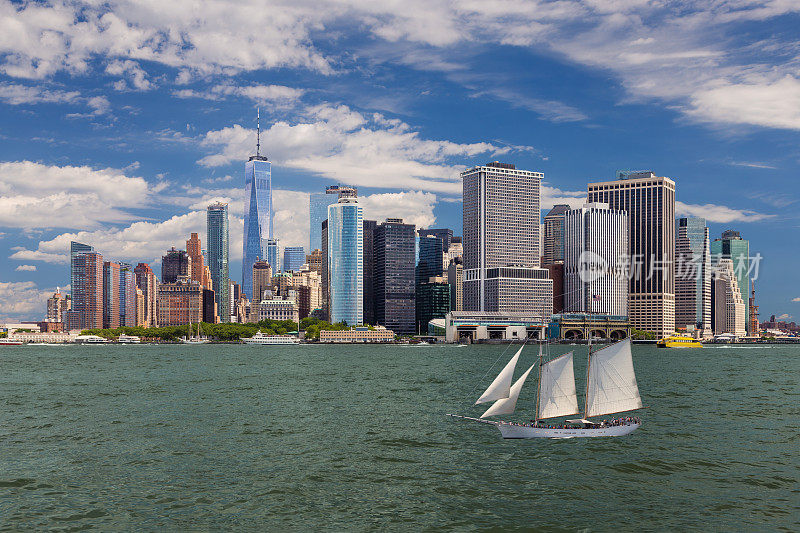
{"x": 501, "y": 242}
{"x": 217, "y": 242}
{"x": 314, "y": 260}
{"x": 431, "y": 256}
{"x": 554, "y": 235}
{"x": 444, "y": 234}
{"x": 127, "y": 296}
{"x": 732, "y": 246}
{"x": 394, "y": 276}
{"x": 76, "y": 248}
{"x": 345, "y": 246}
{"x": 693, "y": 276}
{"x": 433, "y": 301}
{"x": 174, "y": 264}
{"x": 146, "y": 281}
{"x": 370, "y": 311}
{"x": 293, "y": 258}
{"x": 195, "y": 251}
{"x": 111, "y": 294}
{"x": 729, "y": 307}
{"x": 262, "y": 280}
{"x": 57, "y": 307}
{"x": 258, "y": 214}
{"x": 271, "y": 254}
{"x": 318, "y": 203}
{"x": 87, "y": 291}
{"x": 649, "y": 201}
{"x": 595, "y": 251}
{"x": 455, "y": 277}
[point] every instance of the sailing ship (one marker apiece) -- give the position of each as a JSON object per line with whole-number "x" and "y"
{"x": 610, "y": 388}
{"x": 196, "y": 339}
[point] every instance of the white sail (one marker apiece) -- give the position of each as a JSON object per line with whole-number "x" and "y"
{"x": 501, "y": 386}
{"x": 612, "y": 387}
{"x": 506, "y": 406}
{"x": 557, "y": 388}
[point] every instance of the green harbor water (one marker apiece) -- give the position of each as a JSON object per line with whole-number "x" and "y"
{"x": 355, "y": 438}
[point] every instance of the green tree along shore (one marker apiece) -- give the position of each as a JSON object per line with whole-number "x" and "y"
{"x": 639, "y": 335}
{"x": 223, "y": 332}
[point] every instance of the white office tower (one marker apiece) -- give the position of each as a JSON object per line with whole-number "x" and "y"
{"x": 649, "y": 201}
{"x": 501, "y": 242}
{"x": 595, "y": 260}
{"x": 729, "y": 308}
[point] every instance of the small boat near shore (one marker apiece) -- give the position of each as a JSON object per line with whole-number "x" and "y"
{"x": 679, "y": 341}
{"x": 10, "y": 342}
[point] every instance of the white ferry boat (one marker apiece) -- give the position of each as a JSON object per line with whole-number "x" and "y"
{"x": 260, "y": 338}
{"x": 129, "y": 339}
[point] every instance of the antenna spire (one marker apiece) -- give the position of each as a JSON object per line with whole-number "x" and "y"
{"x": 258, "y": 131}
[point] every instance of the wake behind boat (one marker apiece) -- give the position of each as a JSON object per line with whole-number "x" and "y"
{"x": 610, "y": 388}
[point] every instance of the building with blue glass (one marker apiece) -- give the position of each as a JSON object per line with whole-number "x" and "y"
{"x": 258, "y": 216}
{"x": 693, "y": 276}
{"x": 732, "y": 246}
{"x": 345, "y": 257}
{"x": 318, "y": 203}
{"x": 217, "y": 255}
{"x": 272, "y": 255}
{"x": 294, "y": 257}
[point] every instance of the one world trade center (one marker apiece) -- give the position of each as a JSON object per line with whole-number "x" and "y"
{"x": 257, "y": 212}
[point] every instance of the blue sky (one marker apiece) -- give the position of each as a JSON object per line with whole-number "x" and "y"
{"x": 121, "y": 121}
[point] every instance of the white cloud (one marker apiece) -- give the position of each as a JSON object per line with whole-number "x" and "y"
{"x": 22, "y": 300}
{"x": 702, "y": 57}
{"x": 796, "y": 299}
{"x": 34, "y": 195}
{"x": 141, "y": 241}
{"x": 40, "y": 40}
{"x": 16, "y": 94}
{"x": 414, "y": 207}
{"x": 26, "y": 268}
{"x": 784, "y": 316}
{"x": 719, "y": 213}
{"x": 551, "y": 196}
{"x": 349, "y": 147}
{"x": 131, "y": 71}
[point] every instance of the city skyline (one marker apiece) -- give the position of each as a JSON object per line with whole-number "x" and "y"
{"x": 123, "y": 153}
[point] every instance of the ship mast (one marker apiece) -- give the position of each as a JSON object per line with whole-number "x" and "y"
{"x": 539, "y": 387}
{"x": 588, "y": 364}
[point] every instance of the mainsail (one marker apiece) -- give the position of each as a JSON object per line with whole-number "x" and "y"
{"x": 557, "y": 388}
{"x": 501, "y": 386}
{"x": 612, "y": 387}
{"x": 506, "y": 406}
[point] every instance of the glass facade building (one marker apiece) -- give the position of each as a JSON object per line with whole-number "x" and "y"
{"x": 431, "y": 257}
{"x": 217, "y": 243}
{"x": 693, "y": 275}
{"x": 293, "y": 258}
{"x": 394, "y": 276}
{"x": 370, "y": 312}
{"x": 554, "y": 235}
{"x": 318, "y": 203}
{"x": 87, "y": 291}
{"x": 258, "y": 216}
{"x": 732, "y": 246}
{"x": 345, "y": 247}
{"x": 272, "y": 255}
{"x": 127, "y": 296}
